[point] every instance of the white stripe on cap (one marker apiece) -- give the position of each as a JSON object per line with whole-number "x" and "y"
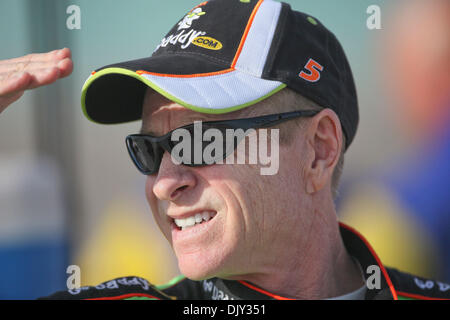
{"x": 218, "y": 91}
{"x": 259, "y": 39}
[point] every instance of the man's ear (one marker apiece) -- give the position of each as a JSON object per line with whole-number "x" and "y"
{"x": 323, "y": 145}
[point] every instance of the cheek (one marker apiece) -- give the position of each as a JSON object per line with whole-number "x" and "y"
{"x": 155, "y": 207}
{"x": 151, "y": 199}
{"x": 242, "y": 190}
{"x": 224, "y": 183}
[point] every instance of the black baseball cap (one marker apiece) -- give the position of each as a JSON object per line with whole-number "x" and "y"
{"x": 225, "y": 55}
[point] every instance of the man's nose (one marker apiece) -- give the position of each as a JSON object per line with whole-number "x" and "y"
{"x": 172, "y": 180}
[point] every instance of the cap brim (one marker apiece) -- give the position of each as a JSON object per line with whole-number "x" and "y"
{"x": 114, "y": 94}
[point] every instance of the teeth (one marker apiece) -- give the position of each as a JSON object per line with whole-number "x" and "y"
{"x": 205, "y": 216}
{"x": 190, "y": 222}
{"x": 180, "y": 222}
{"x": 195, "y": 219}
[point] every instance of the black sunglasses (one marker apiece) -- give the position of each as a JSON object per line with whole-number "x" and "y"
{"x": 147, "y": 151}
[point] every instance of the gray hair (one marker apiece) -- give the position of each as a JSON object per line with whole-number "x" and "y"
{"x": 288, "y": 100}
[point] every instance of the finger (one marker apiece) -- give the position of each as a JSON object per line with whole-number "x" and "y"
{"x": 17, "y": 67}
{"x": 36, "y": 79}
{"x": 64, "y": 66}
{"x": 46, "y": 76}
{"x": 43, "y": 77}
{"x": 14, "y": 84}
{"x": 54, "y": 55}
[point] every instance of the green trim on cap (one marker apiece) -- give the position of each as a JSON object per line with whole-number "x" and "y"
{"x": 155, "y": 87}
{"x": 312, "y": 21}
{"x": 171, "y": 282}
{"x": 140, "y": 298}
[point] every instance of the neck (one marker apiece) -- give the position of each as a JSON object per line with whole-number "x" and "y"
{"x": 318, "y": 267}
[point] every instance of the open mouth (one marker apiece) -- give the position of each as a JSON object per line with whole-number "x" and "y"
{"x": 195, "y": 219}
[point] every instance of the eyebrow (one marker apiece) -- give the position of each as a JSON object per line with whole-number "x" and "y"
{"x": 202, "y": 119}
{"x": 143, "y": 131}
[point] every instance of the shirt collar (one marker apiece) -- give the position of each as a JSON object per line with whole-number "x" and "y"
{"x": 358, "y": 247}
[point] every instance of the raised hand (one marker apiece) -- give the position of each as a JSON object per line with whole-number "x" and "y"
{"x": 31, "y": 71}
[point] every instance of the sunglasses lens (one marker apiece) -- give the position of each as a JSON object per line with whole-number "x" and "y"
{"x": 143, "y": 154}
{"x": 227, "y": 138}
{"x": 197, "y": 146}
{"x": 191, "y": 145}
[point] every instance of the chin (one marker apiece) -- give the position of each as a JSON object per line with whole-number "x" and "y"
{"x": 201, "y": 265}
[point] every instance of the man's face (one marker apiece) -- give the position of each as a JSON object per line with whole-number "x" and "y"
{"x": 250, "y": 215}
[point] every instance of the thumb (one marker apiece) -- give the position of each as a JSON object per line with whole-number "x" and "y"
{"x": 6, "y": 100}
{"x": 12, "y": 89}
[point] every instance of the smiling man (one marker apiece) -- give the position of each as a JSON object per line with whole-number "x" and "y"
{"x": 228, "y": 221}
{"x": 239, "y": 234}
{"x": 248, "y": 220}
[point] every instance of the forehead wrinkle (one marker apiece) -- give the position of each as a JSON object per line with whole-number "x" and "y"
{"x": 170, "y": 117}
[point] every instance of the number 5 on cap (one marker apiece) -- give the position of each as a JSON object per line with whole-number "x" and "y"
{"x": 314, "y": 69}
